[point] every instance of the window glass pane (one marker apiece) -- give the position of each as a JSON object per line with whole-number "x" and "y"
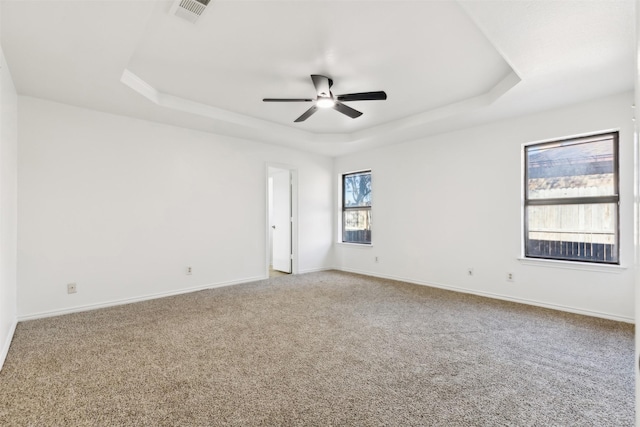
{"x": 357, "y": 189}
{"x": 578, "y": 168}
{"x": 579, "y": 232}
{"x": 356, "y": 226}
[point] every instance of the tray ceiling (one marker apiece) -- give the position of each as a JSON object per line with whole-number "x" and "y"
{"x": 443, "y": 64}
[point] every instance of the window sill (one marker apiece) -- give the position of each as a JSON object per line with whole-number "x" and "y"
{"x": 356, "y": 245}
{"x": 573, "y": 265}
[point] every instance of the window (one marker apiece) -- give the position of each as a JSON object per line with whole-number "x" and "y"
{"x": 571, "y": 199}
{"x": 356, "y": 207}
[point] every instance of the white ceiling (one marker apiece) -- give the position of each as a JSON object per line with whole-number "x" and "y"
{"x": 443, "y": 64}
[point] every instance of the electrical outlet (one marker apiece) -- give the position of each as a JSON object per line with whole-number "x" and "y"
{"x": 469, "y": 271}
{"x": 189, "y": 271}
{"x": 510, "y": 277}
{"x": 72, "y": 288}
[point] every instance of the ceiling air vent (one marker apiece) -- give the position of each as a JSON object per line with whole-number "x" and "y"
{"x": 189, "y": 9}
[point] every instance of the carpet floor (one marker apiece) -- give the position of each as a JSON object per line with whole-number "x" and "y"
{"x": 320, "y": 349}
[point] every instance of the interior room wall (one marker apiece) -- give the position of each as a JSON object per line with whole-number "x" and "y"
{"x": 450, "y": 202}
{"x": 122, "y": 206}
{"x": 637, "y": 203}
{"x": 8, "y": 208}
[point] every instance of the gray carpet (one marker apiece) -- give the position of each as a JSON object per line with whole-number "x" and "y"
{"x": 321, "y": 349}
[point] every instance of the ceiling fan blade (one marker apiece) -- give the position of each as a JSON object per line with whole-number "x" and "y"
{"x": 287, "y": 100}
{"x": 339, "y": 106}
{"x": 322, "y": 84}
{"x": 306, "y": 114}
{"x": 364, "y": 96}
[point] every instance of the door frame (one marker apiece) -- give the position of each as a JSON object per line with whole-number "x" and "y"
{"x": 293, "y": 172}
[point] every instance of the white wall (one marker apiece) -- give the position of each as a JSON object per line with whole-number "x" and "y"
{"x": 637, "y": 203}
{"x": 452, "y": 201}
{"x": 121, "y": 206}
{"x": 8, "y": 208}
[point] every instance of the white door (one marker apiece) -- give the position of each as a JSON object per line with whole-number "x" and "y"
{"x": 281, "y": 221}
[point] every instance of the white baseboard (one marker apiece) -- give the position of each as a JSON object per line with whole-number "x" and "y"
{"x": 88, "y": 307}
{"x": 496, "y": 296}
{"x": 315, "y": 270}
{"x": 7, "y": 343}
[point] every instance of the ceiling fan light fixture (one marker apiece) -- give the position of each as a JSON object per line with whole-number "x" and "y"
{"x": 325, "y": 99}
{"x": 325, "y": 102}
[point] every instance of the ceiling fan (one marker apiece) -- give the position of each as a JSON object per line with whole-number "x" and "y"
{"x": 326, "y": 99}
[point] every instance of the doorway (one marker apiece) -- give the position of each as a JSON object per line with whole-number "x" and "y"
{"x": 281, "y": 219}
